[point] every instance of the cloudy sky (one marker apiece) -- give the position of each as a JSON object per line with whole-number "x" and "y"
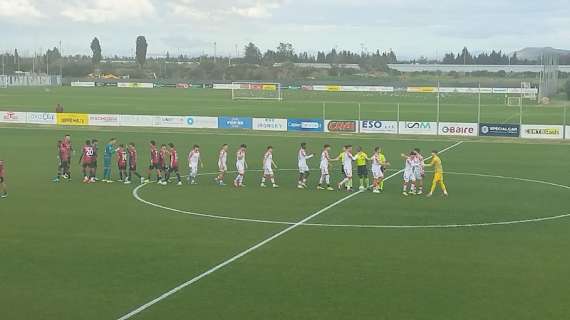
{"x": 410, "y": 27}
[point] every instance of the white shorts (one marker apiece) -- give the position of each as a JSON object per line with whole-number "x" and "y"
{"x": 418, "y": 174}
{"x": 268, "y": 171}
{"x": 194, "y": 170}
{"x": 409, "y": 176}
{"x": 348, "y": 172}
{"x": 240, "y": 168}
{"x": 325, "y": 170}
{"x": 303, "y": 168}
{"x": 222, "y": 167}
{"x": 377, "y": 172}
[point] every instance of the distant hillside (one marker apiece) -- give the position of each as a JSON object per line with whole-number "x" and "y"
{"x": 534, "y": 53}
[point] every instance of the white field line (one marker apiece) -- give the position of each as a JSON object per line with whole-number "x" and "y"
{"x": 511, "y": 117}
{"x": 366, "y": 226}
{"x": 251, "y": 249}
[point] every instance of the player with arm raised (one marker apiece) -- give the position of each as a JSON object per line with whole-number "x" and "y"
{"x": 3, "y": 187}
{"x": 325, "y": 166}
{"x": 348, "y": 158}
{"x": 194, "y": 160}
{"x": 241, "y": 166}
{"x": 411, "y": 162}
{"x": 302, "y": 157}
{"x": 222, "y": 165}
{"x": 438, "y": 173}
{"x": 362, "y": 168}
{"x": 268, "y": 165}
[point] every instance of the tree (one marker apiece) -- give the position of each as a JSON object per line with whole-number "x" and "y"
{"x": 141, "y": 50}
{"x": 252, "y": 54}
{"x": 96, "y": 48}
{"x": 285, "y": 52}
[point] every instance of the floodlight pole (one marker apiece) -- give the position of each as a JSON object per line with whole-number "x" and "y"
{"x": 324, "y": 112}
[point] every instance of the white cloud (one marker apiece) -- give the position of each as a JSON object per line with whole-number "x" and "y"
{"x": 18, "y": 9}
{"x": 223, "y": 9}
{"x": 102, "y": 11}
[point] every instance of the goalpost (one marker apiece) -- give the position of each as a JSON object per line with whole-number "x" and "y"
{"x": 256, "y": 91}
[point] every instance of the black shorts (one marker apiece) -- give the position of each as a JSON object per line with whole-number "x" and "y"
{"x": 1, "y": 179}
{"x": 173, "y": 169}
{"x": 88, "y": 165}
{"x": 154, "y": 166}
{"x": 122, "y": 166}
{"x": 362, "y": 171}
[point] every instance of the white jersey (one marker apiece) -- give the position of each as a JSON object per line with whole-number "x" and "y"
{"x": 302, "y": 159}
{"x": 223, "y": 160}
{"x": 347, "y": 160}
{"x": 268, "y": 160}
{"x": 377, "y": 166}
{"x": 421, "y": 163}
{"x": 325, "y": 158}
{"x": 194, "y": 158}
{"x": 411, "y": 168}
{"x": 240, "y": 161}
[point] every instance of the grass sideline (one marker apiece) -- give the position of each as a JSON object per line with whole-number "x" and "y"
{"x": 93, "y": 252}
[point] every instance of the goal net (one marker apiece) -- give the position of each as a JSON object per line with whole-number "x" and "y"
{"x": 528, "y": 91}
{"x": 3, "y": 81}
{"x": 256, "y": 91}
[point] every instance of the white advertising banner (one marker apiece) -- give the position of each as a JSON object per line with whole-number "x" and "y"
{"x": 144, "y": 85}
{"x": 13, "y": 117}
{"x": 169, "y": 121}
{"x": 86, "y": 84}
{"x": 536, "y": 131}
{"x": 458, "y": 129}
{"x": 269, "y": 124}
{"x": 201, "y": 122}
{"x": 500, "y": 90}
{"x": 136, "y": 120}
{"x": 41, "y": 118}
{"x": 378, "y": 126}
{"x": 225, "y": 86}
{"x": 418, "y": 127}
{"x": 567, "y": 132}
{"x": 111, "y": 120}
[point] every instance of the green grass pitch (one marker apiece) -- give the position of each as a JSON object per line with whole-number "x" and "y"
{"x": 77, "y": 251}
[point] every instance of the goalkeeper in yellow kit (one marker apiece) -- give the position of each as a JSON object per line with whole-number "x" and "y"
{"x": 437, "y": 175}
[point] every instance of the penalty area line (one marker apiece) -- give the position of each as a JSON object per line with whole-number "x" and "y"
{"x": 254, "y": 247}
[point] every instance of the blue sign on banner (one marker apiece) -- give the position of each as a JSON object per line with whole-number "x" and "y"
{"x": 499, "y": 130}
{"x": 313, "y": 125}
{"x": 235, "y": 123}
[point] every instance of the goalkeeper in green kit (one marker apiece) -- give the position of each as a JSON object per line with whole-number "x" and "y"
{"x": 110, "y": 150}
